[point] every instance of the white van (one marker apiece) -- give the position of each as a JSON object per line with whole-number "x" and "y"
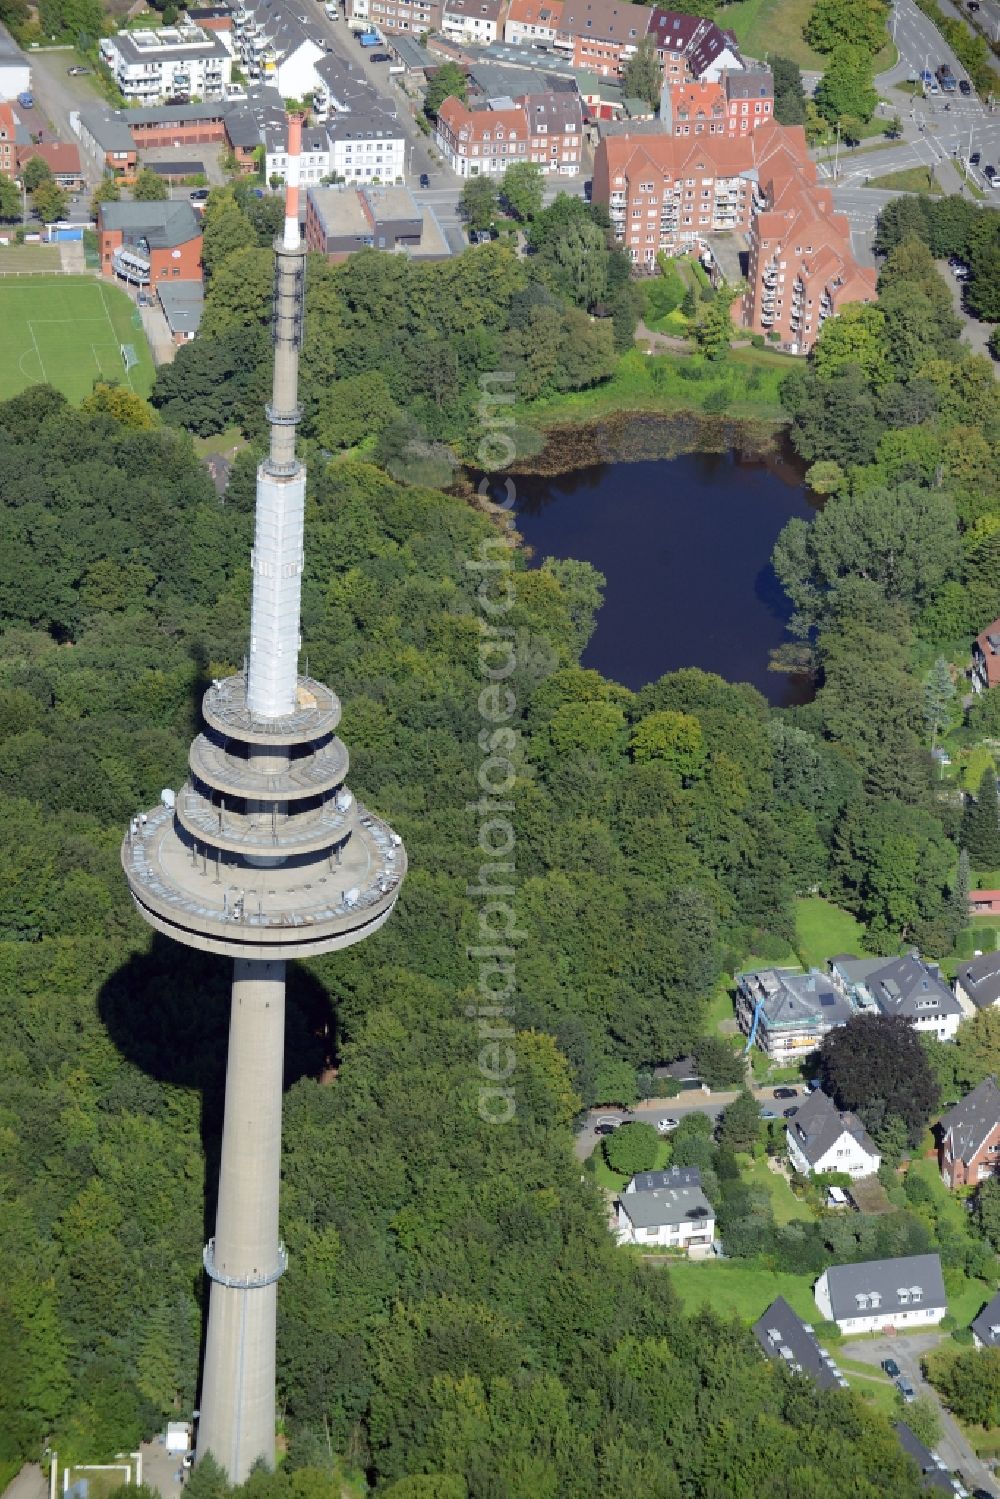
{"x": 332, "y": 11}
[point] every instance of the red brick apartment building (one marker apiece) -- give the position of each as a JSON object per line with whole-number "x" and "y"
{"x": 671, "y": 193}
{"x": 601, "y": 35}
{"x": 8, "y": 149}
{"x": 146, "y": 243}
{"x": 735, "y": 106}
{"x": 801, "y": 267}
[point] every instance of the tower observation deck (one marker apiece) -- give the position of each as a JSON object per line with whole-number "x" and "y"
{"x": 264, "y": 854}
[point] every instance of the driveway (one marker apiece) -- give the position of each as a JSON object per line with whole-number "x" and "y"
{"x": 953, "y": 1447}
{"x": 974, "y": 333}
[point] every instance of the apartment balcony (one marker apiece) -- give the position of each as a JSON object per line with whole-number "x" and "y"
{"x": 770, "y": 278}
{"x": 618, "y": 198}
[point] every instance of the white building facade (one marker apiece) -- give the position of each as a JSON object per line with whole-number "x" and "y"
{"x": 900, "y": 1293}
{"x": 149, "y": 66}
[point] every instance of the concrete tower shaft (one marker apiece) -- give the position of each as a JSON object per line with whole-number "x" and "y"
{"x": 263, "y": 855}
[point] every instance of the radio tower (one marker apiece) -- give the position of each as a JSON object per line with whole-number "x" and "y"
{"x": 263, "y": 855}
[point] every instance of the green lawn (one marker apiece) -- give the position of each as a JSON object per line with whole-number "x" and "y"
{"x": 823, "y": 929}
{"x": 741, "y": 1288}
{"x": 67, "y": 331}
{"x": 643, "y": 382}
{"x": 784, "y": 1202}
{"x": 772, "y": 27}
{"x": 910, "y": 180}
{"x": 36, "y": 259}
{"x": 605, "y": 1177}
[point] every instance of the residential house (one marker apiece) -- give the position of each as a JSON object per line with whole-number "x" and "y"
{"x": 749, "y": 94}
{"x": 905, "y": 986}
{"x": 367, "y": 145}
{"x": 533, "y": 22}
{"x": 879, "y": 1294}
{"x": 106, "y": 138}
{"x": 601, "y": 35}
{"x": 412, "y": 16}
{"x": 786, "y": 1013}
{"x": 933, "y": 1472}
{"x": 471, "y": 20}
{"x": 691, "y": 47}
{"x": 676, "y": 1217}
{"x": 986, "y": 658}
{"x": 340, "y": 220}
{"x": 821, "y": 1138}
{"x": 983, "y": 902}
{"x": 8, "y": 141}
{"x": 784, "y": 1336}
{"x": 977, "y": 983}
{"x": 314, "y": 158}
{"x": 986, "y": 1325}
{"x": 555, "y": 130}
{"x": 182, "y": 59}
{"x": 546, "y": 128}
{"x": 673, "y": 1176}
{"x": 61, "y": 157}
{"x": 277, "y": 46}
{"x": 145, "y": 243}
{"x": 969, "y": 1137}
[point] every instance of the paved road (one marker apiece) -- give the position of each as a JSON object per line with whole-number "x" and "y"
{"x": 648, "y": 1110}
{"x": 953, "y": 1448}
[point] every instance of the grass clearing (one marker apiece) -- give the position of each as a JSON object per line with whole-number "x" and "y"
{"x": 741, "y": 1288}
{"x": 823, "y": 929}
{"x": 773, "y": 27}
{"x": 909, "y": 180}
{"x": 644, "y": 382}
{"x": 784, "y": 1203}
{"x": 67, "y": 331}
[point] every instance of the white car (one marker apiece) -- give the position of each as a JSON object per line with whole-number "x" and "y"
{"x": 666, "y": 1126}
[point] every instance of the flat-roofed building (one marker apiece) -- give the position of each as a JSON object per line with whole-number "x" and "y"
{"x": 341, "y": 220}
{"x": 152, "y": 65}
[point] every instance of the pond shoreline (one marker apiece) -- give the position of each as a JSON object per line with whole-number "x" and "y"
{"x": 638, "y": 436}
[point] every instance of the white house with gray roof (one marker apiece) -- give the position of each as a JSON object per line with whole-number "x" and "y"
{"x": 152, "y": 65}
{"x": 675, "y": 1217}
{"x": 986, "y": 1325}
{"x": 820, "y": 1138}
{"x": 900, "y": 1293}
{"x": 905, "y": 986}
{"x": 977, "y": 983}
{"x": 673, "y": 1176}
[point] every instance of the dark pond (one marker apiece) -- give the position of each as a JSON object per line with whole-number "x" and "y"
{"x": 685, "y": 546}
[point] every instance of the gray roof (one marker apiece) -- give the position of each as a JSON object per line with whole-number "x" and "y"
{"x": 10, "y": 52}
{"x": 981, "y": 980}
{"x": 886, "y": 1278}
{"x": 933, "y": 1471}
{"x": 674, "y": 1176}
{"x": 796, "y": 999}
{"x": 490, "y": 9}
{"x": 783, "y": 1335}
{"x": 161, "y": 225}
{"x": 109, "y": 129}
{"x": 908, "y": 987}
{"x": 364, "y": 124}
{"x": 972, "y": 1120}
{"x": 169, "y": 114}
{"x": 986, "y": 1324}
{"x": 750, "y": 83}
{"x": 817, "y": 1125}
{"x": 666, "y": 1207}
{"x": 133, "y": 51}
{"x": 410, "y": 52}
{"x": 182, "y": 303}
{"x": 559, "y": 110}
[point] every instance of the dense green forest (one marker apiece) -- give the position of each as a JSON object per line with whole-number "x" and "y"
{"x": 456, "y": 1319}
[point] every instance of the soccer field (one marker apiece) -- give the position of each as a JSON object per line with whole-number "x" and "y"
{"x": 67, "y": 331}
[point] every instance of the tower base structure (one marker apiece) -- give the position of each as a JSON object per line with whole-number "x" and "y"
{"x": 246, "y": 1258}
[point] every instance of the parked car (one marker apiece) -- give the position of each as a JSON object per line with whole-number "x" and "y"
{"x": 199, "y": 194}
{"x": 425, "y": 181}
{"x": 607, "y": 1122}
{"x": 768, "y": 1114}
{"x": 380, "y": 57}
{"x": 666, "y": 1126}
{"x": 964, "y": 87}
{"x": 891, "y": 1368}
{"x": 605, "y": 1129}
{"x": 989, "y": 172}
{"x": 77, "y": 72}
{"x": 786, "y": 1092}
{"x": 790, "y": 1113}
{"x": 975, "y": 158}
{"x": 26, "y": 100}
{"x": 905, "y": 1388}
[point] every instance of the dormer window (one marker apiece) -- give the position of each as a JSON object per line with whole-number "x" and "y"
{"x": 904, "y": 1295}
{"x": 916, "y": 1293}
{"x": 862, "y": 1299}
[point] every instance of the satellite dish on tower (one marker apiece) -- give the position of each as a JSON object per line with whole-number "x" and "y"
{"x": 168, "y": 797}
